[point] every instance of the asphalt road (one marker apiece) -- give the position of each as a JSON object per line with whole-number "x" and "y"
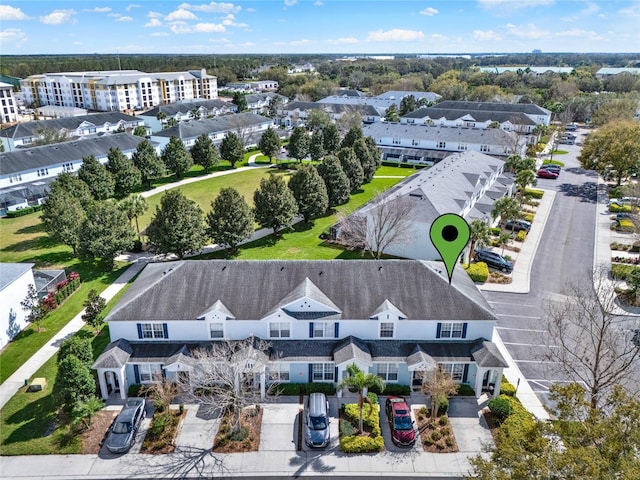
{"x": 565, "y": 254}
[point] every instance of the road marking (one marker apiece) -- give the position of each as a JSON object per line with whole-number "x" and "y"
{"x": 515, "y": 304}
{"x": 521, "y": 329}
{"x": 532, "y": 361}
{"x": 517, "y": 316}
{"x": 530, "y": 345}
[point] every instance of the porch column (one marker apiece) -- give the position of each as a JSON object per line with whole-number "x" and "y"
{"x": 498, "y": 382}
{"x": 103, "y": 384}
{"x": 263, "y": 379}
{"x": 122, "y": 381}
{"x": 479, "y": 376}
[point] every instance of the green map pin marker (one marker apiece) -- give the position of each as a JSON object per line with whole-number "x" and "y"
{"x": 449, "y": 234}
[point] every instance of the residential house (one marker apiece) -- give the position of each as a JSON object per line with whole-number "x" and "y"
{"x": 382, "y": 102}
{"x": 26, "y": 173}
{"x": 296, "y": 113}
{"x": 15, "y": 279}
{"x": 23, "y": 135}
{"x": 427, "y": 144}
{"x": 467, "y": 184}
{"x": 8, "y": 108}
{"x": 606, "y": 72}
{"x": 259, "y": 102}
{"x": 117, "y": 90}
{"x": 252, "y": 86}
{"x": 540, "y": 115}
{"x": 509, "y": 121}
{"x": 404, "y": 320}
{"x": 187, "y": 110}
{"x": 248, "y": 126}
{"x": 526, "y": 70}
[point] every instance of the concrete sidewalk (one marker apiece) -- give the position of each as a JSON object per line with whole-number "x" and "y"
{"x": 12, "y": 384}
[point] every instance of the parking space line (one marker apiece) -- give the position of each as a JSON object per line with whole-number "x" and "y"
{"x": 509, "y": 303}
{"x": 521, "y": 329}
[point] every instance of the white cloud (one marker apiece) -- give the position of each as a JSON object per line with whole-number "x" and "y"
{"x": 180, "y": 28}
{"x": 213, "y": 7}
{"x": 180, "y": 14}
{"x": 132, "y": 6}
{"x": 486, "y": 35}
{"x": 154, "y": 22}
{"x": 154, "y": 14}
{"x": 290, "y": 3}
{"x": 526, "y": 31}
{"x": 124, "y": 18}
{"x": 7, "y": 12}
{"x": 159, "y": 34}
{"x": 13, "y": 35}
{"x": 578, "y": 32}
{"x": 590, "y": 9}
{"x": 251, "y": 10}
{"x": 429, "y": 12}
{"x": 58, "y": 17}
{"x": 343, "y": 41}
{"x": 318, "y": 3}
{"x": 240, "y": 45}
{"x": 294, "y": 43}
{"x": 512, "y": 4}
{"x": 98, "y": 9}
{"x": 394, "y": 35}
{"x": 230, "y": 21}
{"x": 633, "y": 10}
{"x": 437, "y": 36}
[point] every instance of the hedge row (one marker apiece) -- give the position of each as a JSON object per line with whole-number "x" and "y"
{"x": 622, "y": 272}
{"x": 465, "y": 390}
{"x": 370, "y": 418}
{"x": 478, "y": 272}
{"x": 527, "y": 216}
{"x": 393, "y": 389}
{"x": 624, "y": 226}
{"x": 305, "y": 388}
{"x": 533, "y": 193}
{"x": 614, "y": 208}
{"x": 495, "y": 231}
{"x": 23, "y": 211}
{"x": 66, "y": 290}
{"x": 521, "y": 235}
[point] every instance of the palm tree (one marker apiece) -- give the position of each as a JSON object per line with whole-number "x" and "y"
{"x": 524, "y": 178}
{"x": 506, "y": 208}
{"x": 358, "y": 380}
{"x": 133, "y": 207}
{"x": 478, "y": 235}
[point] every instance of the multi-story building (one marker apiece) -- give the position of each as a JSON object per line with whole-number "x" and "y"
{"x": 538, "y": 114}
{"x": 8, "y": 108}
{"x": 158, "y": 117}
{"x": 319, "y": 317}
{"x": 117, "y": 90}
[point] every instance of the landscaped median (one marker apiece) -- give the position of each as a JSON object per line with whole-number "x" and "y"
{"x": 370, "y": 440}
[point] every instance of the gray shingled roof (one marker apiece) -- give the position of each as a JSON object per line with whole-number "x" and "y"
{"x": 350, "y": 349}
{"x": 435, "y": 113}
{"x": 58, "y": 153}
{"x": 183, "y": 290}
{"x": 481, "y": 136}
{"x": 29, "y": 129}
{"x": 9, "y": 272}
{"x": 185, "y": 107}
{"x": 486, "y": 354}
{"x": 225, "y": 123}
{"x": 528, "y": 108}
{"x": 333, "y": 107}
{"x": 420, "y": 357}
{"x": 115, "y": 355}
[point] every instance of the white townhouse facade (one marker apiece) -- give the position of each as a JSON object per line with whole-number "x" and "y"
{"x": 117, "y": 90}
{"x": 467, "y": 184}
{"x": 296, "y": 113}
{"x": 184, "y": 111}
{"x": 23, "y": 135}
{"x": 259, "y": 102}
{"x": 428, "y": 144}
{"x": 249, "y": 127}
{"x": 318, "y": 317}
{"x": 15, "y": 279}
{"x": 381, "y": 102}
{"x": 8, "y": 107}
{"x": 26, "y": 173}
{"x": 540, "y": 115}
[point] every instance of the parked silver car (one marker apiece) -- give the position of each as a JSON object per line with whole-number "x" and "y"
{"x": 123, "y": 431}
{"x": 317, "y": 421}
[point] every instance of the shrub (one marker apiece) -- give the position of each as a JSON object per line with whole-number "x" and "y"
{"x": 616, "y": 192}
{"x": 240, "y": 435}
{"x": 134, "y": 390}
{"x": 553, "y": 162}
{"x": 356, "y": 444}
{"x": 289, "y": 388}
{"x": 436, "y": 435}
{"x": 624, "y": 226}
{"x": 508, "y": 389}
{"x": 500, "y": 407}
{"x": 465, "y": 390}
{"x": 495, "y": 231}
{"x": 521, "y": 235}
{"x": 370, "y": 416}
{"x": 613, "y": 208}
{"x": 443, "y": 407}
{"x": 443, "y": 421}
{"x": 20, "y": 213}
{"x": 317, "y": 387}
{"x": 533, "y": 193}
{"x": 393, "y": 389}
{"x": 528, "y": 216}
{"x": 449, "y": 441}
{"x": 622, "y": 272}
{"x": 478, "y": 272}
{"x": 346, "y": 428}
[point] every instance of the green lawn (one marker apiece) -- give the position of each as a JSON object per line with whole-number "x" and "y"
{"x": 28, "y": 421}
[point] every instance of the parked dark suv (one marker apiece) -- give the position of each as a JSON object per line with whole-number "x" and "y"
{"x": 518, "y": 225}
{"x": 494, "y": 260}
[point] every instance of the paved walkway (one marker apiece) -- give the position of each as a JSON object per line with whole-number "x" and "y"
{"x": 12, "y": 384}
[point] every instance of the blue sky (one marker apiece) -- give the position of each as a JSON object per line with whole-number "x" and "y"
{"x": 319, "y": 26}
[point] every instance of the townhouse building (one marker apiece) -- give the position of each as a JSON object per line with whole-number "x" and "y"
{"x": 158, "y": 117}
{"x": 538, "y": 114}
{"x": 117, "y": 90}
{"x": 259, "y": 102}
{"x": 9, "y": 112}
{"x": 24, "y": 135}
{"x": 319, "y": 317}
{"x": 295, "y": 114}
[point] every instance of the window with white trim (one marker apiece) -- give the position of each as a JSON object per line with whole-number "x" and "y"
{"x": 152, "y": 330}
{"x": 388, "y": 371}
{"x": 322, "y": 372}
{"x": 451, "y": 330}
{"x": 323, "y": 330}
{"x": 453, "y": 370}
{"x": 484, "y": 148}
{"x": 386, "y": 330}
{"x": 279, "y": 330}
{"x": 150, "y": 372}
{"x": 216, "y": 330}
{"x": 442, "y": 145}
{"x": 279, "y": 372}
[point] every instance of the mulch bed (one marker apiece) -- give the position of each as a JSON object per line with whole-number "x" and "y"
{"x": 93, "y": 437}
{"x": 164, "y": 440}
{"x": 343, "y": 417}
{"x": 252, "y": 421}
{"x": 492, "y": 422}
{"x": 435, "y": 437}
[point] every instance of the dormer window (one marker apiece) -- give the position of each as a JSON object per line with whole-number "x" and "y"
{"x": 216, "y": 330}
{"x": 386, "y": 329}
{"x": 280, "y": 330}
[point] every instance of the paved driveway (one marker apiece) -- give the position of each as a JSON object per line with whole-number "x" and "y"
{"x": 279, "y": 427}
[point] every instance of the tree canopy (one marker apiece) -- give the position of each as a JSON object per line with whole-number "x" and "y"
{"x": 231, "y": 149}
{"x": 205, "y": 153}
{"x": 176, "y": 157}
{"x": 299, "y": 143}
{"x": 230, "y": 220}
{"x": 310, "y": 192}
{"x": 105, "y": 233}
{"x": 147, "y": 161}
{"x": 97, "y": 178}
{"x": 274, "y": 204}
{"x": 336, "y": 181}
{"x": 269, "y": 143}
{"x": 126, "y": 175}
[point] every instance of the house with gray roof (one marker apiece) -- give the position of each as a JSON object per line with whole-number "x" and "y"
{"x": 15, "y": 279}
{"x": 606, "y": 72}
{"x": 259, "y": 102}
{"x": 296, "y": 113}
{"x": 382, "y": 102}
{"x": 317, "y": 316}
{"x": 187, "y": 110}
{"x": 427, "y": 144}
{"x": 540, "y": 115}
{"x": 23, "y": 135}
{"x": 26, "y": 173}
{"x": 467, "y": 184}
{"x": 249, "y": 127}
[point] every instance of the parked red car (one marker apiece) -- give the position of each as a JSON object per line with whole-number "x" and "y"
{"x": 402, "y": 432}
{"x": 543, "y": 173}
